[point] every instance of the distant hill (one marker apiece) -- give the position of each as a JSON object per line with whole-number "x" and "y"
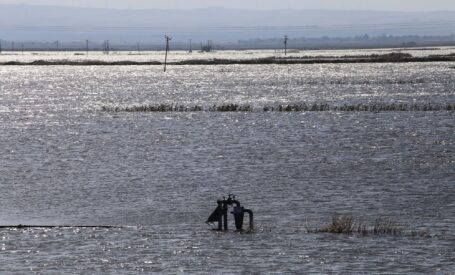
{"x": 44, "y": 23}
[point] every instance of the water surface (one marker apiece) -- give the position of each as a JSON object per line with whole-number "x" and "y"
{"x": 64, "y": 161}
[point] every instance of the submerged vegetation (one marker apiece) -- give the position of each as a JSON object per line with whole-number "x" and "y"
{"x": 346, "y": 224}
{"x": 302, "y": 107}
{"x": 394, "y": 57}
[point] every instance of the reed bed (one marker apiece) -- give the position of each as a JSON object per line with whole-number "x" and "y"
{"x": 302, "y": 107}
{"x": 347, "y": 224}
{"x": 153, "y": 108}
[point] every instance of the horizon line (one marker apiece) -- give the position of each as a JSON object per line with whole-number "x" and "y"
{"x": 224, "y": 8}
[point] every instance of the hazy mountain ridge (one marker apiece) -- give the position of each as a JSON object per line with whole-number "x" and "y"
{"x": 50, "y": 22}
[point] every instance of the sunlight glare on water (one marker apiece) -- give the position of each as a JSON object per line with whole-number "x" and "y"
{"x": 67, "y": 162}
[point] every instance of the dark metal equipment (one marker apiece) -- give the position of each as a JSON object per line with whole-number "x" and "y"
{"x": 220, "y": 214}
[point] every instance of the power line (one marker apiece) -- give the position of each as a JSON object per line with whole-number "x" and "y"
{"x": 67, "y": 28}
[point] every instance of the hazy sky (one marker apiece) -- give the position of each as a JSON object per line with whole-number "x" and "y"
{"x": 396, "y": 5}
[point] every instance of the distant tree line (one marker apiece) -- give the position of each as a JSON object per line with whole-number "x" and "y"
{"x": 363, "y": 41}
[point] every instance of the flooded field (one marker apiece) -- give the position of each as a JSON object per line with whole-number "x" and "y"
{"x": 66, "y": 161}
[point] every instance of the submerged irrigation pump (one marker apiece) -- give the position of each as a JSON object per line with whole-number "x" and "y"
{"x": 220, "y": 214}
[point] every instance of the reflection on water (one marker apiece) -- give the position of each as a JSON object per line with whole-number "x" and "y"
{"x": 64, "y": 161}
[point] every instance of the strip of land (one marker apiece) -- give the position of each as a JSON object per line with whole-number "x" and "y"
{"x": 385, "y": 58}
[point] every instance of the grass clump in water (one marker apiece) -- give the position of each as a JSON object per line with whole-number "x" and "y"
{"x": 178, "y": 108}
{"x": 231, "y": 108}
{"x": 346, "y": 224}
{"x": 152, "y": 108}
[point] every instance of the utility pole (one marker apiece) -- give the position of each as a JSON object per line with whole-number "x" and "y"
{"x": 167, "y": 49}
{"x": 86, "y": 46}
{"x": 0, "y": 46}
{"x": 286, "y": 38}
{"x": 106, "y": 46}
{"x": 191, "y": 50}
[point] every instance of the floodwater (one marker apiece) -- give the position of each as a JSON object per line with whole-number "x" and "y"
{"x": 66, "y": 162}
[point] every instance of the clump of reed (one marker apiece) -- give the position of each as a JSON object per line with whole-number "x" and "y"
{"x": 302, "y": 107}
{"x": 361, "y": 107}
{"x": 178, "y": 108}
{"x": 231, "y": 108}
{"x": 153, "y": 108}
{"x": 396, "y": 107}
{"x": 346, "y": 224}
